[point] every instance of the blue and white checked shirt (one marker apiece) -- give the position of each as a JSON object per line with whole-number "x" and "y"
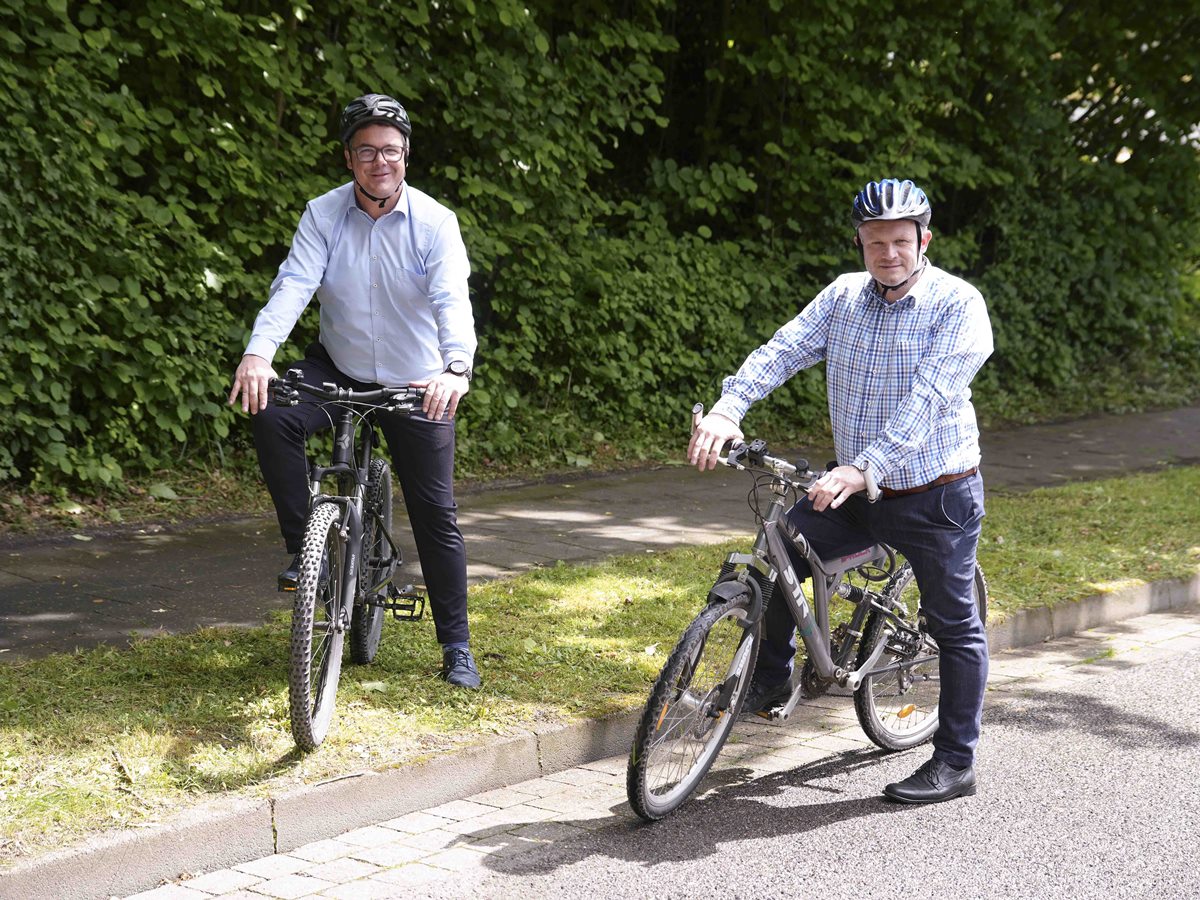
{"x": 898, "y": 373}
{"x": 393, "y": 290}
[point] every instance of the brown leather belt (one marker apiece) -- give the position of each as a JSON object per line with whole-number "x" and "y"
{"x": 888, "y": 493}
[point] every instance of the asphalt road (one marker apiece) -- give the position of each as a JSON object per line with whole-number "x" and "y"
{"x": 1089, "y": 789}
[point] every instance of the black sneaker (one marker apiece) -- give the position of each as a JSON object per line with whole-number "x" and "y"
{"x": 458, "y": 668}
{"x": 762, "y": 698}
{"x": 290, "y": 577}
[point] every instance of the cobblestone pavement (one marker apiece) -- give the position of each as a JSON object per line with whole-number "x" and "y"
{"x": 444, "y": 850}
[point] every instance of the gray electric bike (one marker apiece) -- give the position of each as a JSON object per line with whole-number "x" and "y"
{"x": 882, "y": 653}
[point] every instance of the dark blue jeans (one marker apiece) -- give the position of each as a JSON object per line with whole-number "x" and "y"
{"x": 938, "y": 532}
{"x": 422, "y": 462}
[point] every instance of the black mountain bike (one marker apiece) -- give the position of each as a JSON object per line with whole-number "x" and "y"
{"x": 883, "y": 653}
{"x": 348, "y": 557}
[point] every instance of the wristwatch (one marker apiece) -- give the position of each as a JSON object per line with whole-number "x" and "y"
{"x": 459, "y": 368}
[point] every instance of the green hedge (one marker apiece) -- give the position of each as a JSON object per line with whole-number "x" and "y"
{"x": 646, "y": 189}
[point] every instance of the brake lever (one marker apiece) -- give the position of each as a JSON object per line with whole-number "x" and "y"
{"x": 282, "y": 392}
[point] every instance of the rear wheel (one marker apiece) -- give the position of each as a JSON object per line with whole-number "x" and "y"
{"x": 897, "y": 703}
{"x": 366, "y": 626}
{"x": 692, "y": 707}
{"x": 317, "y": 633}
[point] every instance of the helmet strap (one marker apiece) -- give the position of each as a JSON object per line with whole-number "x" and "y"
{"x": 382, "y": 201}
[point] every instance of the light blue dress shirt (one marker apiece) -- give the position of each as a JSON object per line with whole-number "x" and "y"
{"x": 392, "y": 291}
{"x": 898, "y": 374}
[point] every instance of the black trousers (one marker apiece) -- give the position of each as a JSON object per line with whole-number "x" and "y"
{"x": 422, "y": 462}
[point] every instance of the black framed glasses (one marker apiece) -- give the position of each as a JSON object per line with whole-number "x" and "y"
{"x": 365, "y": 153}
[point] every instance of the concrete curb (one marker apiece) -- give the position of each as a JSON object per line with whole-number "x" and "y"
{"x": 225, "y": 833}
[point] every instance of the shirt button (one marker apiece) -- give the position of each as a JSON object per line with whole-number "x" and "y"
{"x": 374, "y": 285}
{"x": 374, "y": 257}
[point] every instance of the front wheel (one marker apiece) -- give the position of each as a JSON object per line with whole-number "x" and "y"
{"x": 897, "y": 703}
{"x": 317, "y": 629}
{"x": 366, "y": 625}
{"x": 692, "y": 706}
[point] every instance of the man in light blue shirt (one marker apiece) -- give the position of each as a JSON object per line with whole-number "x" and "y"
{"x": 389, "y": 269}
{"x": 901, "y": 343}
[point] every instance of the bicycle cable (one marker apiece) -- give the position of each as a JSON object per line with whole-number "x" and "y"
{"x": 763, "y": 482}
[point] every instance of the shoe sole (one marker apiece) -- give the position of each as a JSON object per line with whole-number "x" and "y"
{"x": 965, "y": 792}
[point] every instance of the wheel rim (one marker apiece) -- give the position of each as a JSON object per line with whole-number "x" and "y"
{"x": 904, "y": 696}
{"x": 687, "y": 735}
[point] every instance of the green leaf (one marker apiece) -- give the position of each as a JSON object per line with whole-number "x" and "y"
{"x": 161, "y": 491}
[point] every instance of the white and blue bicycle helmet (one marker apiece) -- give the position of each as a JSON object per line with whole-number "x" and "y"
{"x": 890, "y": 199}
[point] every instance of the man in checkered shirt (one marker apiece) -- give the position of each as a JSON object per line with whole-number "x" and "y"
{"x": 901, "y": 343}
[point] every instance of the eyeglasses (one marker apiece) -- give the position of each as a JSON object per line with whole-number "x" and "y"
{"x": 366, "y": 153}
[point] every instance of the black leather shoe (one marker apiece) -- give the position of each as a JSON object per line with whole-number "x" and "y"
{"x": 290, "y": 577}
{"x": 762, "y": 698}
{"x": 934, "y": 782}
{"x": 458, "y": 668}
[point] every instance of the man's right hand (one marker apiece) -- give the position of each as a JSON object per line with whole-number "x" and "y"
{"x": 713, "y": 432}
{"x": 251, "y": 381}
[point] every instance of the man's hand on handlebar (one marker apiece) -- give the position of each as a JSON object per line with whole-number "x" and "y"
{"x": 712, "y": 433}
{"x": 252, "y": 381}
{"x": 833, "y": 488}
{"x": 442, "y": 393}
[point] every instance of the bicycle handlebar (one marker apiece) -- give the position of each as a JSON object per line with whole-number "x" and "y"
{"x": 286, "y": 391}
{"x": 753, "y": 455}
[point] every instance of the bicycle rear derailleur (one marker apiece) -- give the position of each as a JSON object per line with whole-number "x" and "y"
{"x": 405, "y": 603}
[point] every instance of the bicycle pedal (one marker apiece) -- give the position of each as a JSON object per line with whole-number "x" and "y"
{"x": 406, "y": 604}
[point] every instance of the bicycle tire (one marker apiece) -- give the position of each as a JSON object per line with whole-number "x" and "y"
{"x": 316, "y": 645}
{"x": 366, "y": 623}
{"x": 898, "y": 708}
{"x": 683, "y": 727}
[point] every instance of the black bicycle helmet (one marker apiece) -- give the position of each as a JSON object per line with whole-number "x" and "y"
{"x": 373, "y": 109}
{"x": 891, "y": 199}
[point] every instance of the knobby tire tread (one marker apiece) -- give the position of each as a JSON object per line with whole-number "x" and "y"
{"x": 311, "y": 716}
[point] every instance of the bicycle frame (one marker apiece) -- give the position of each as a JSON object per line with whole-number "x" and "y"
{"x": 769, "y": 557}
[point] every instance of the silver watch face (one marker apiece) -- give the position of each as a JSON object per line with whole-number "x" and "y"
{"x": 459, "y": 368}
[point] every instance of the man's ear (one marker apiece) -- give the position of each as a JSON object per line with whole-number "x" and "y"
{"x": 346, "y": 154}
{"x": 857, "y": 242}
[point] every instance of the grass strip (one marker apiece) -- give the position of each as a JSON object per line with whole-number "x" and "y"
{"x": 123, "y": 737}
